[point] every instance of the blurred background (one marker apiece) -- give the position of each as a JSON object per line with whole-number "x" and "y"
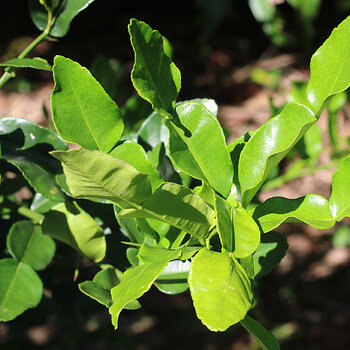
{"x": 248, "y": 56}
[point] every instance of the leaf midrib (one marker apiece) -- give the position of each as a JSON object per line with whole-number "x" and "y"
{"x": 82, "y": 113}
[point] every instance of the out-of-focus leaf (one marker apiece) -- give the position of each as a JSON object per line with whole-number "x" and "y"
{"x": 65, "y": 12}
{"x": 35, "y": 62}
{"x": 330, "y": 66}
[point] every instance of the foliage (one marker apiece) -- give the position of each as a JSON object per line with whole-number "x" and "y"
{"x": 175, "y": 186}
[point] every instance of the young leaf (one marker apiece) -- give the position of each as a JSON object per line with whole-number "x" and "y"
{"x": 132, "y": 153}
{"x": 264, "y": 338}
{"x": 154, "y": 75}
{"x": 311, "y": 209}
{"x": 178, "y": 206}
{"x": 197, "y": 146}
{"x": 340, "y": 197}
{"x": 82, "y": 111}
{"x": 65, "y": 13}
{"x": 20, "y": 288}
{"x": 35, "y": 62}
{"x": 95, "y": 174}
{"x": 220, "y": 289}
{"x": 271, "y": 250}
{"x": 238, "y": 232}
{"x": 135, "y": 282}
{"x": 268, "y": 146}
{"x": 330, "y": 66}
{"x": 71, "y": 225}
{"x": 28, "y": 245}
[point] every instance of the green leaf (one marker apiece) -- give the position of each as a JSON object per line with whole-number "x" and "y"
{"x": 28, "y": 245}
{"x": 238, "y": 232}
{"x": 341, "y": 237}
{"x": 35, "y": 62}
{"x": 95, "y": 174}
{"x": 132, "y": 153}
{"x": 71, "y": 225}
{"x": 41, "y": 204}
{"x": 65, "y": 12}
{"x": 148, "y": 254}
{"x": 82, "y": 111}
{"x": 272, "y": 248}
{"x": 173, "y": 279}
{"x": 330, "y": 66}
{"x": 20, "y": 289}
{"x": 99, "y": 288}
{"x": 154, "y": 75}
{"x": 26, "y": 134}
{"x": 153, "y": 130}
{"x": 178, "y": 206}
{"x": 42, "y": 180}
{"x": 268, "y": 146}
{"x": 220, "y": 289}
{"x": 197, "y": 146}
{"x": 311, "y": 209}
{"x": 264, "y": 338}
{"x": 340, "y": 197}
{"x": 135, "y": 282}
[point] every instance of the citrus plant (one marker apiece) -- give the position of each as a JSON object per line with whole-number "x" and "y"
{"x": 183, "y": 198}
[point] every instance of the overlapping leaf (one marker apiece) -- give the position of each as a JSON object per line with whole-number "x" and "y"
{"x": 268, "y": 146}
{"x": 65, "y": 12}
{"x": 220, "y": 289}
{"x": 197, "y": 146}
{"x": 155, "y": 76}
{"x": 238, "y": 232}
{"x": 330, "y": 66}
{"x": 340, "y": 197}
{"x": 311, "y": 209}
{"x": 68, "y": 223}
{"x": 178, "y": 206}
{"x": 82, "y": 111}
{"x": 135, "y": 282}
{"x": 96, "y": 174}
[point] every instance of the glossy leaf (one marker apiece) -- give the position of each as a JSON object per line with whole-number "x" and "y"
{"x": 268, "y": 146}
{"x": 132, "y": 153}
{"x": 311, "y": 209}
{"x": 330, "y": 66}
{"x": 29, "y": 134}
{"x": 20, "y": 288}
{"x": 154, "y": 75}
{"x": 272, "y": 248}
{"x": 264, "y": 338}
{"x": 135, "y": 282}
{"x": 35, "y": 62}
{"x": 173, "y": 279}
{"x": 82, "y": 111}
{"x": 238, "y": 232}
{"x": 41, "y": 204}
{"x": 71, "y": 225}
{"x": 95, "y": 174}
{"x": 65, "y": 13}
{"x": 339, "y": 201}
{"x": 26, "y": 243}
{"x": 178, "y": 206}
{"x": 197, "y": 146}
{"x": 220, "y": 289}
